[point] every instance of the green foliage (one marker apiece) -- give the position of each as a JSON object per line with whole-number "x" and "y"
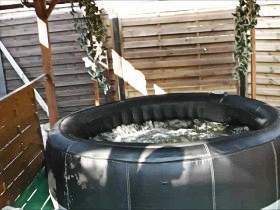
{"x": 245, "y": 20}
{"x": 92, "y": 34}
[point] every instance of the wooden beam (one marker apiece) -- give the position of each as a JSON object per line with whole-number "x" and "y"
{"x": 40, "y": 9}
{"x": 253, "y": 64}
{"x": 31, "y": 4}
{"x": 117, "y": 48}
{"x": 96, "y": 93}
{"x": 44, "y": 40}
{"x": 51, "y": 7}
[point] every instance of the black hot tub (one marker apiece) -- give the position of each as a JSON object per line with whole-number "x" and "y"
{"x": 234, "y": 172}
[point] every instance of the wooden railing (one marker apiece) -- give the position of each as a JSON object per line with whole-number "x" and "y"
{"x": 21, "y": 146}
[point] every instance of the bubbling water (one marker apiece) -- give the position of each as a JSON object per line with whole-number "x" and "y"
{"x": 170, "y": 131}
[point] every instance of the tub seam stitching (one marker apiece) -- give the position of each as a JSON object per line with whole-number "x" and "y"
{"x": 128, "y": 187}
{"x": 212, "y": 177}
{"x": 66, "y": 178}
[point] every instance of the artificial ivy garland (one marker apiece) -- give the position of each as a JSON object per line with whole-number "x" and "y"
{"x": 245, "y": 20}
{"x": 92, "y": 35}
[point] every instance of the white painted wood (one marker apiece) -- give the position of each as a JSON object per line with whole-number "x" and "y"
{"x": 23, "y": 77}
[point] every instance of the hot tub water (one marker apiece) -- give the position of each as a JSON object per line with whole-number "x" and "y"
{"x": 170, "y": 131}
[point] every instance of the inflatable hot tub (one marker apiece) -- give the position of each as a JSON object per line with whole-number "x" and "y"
{"x": 233, "y": 172}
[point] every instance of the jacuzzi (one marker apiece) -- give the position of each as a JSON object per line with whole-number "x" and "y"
{"x": 232, "y": 172}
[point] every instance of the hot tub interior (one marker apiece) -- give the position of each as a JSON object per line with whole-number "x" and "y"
{"x": 169, "y": 131}
{"x": 207, "y": 115}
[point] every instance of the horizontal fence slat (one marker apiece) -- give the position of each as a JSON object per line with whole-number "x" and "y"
{"x": 178, "y": 63}
{"x": 214, "y": 15}
{"x": 173, "y": 52}
{"x": 165, "y": 74}
{"x": 181, "y": 28}
{"x": 225, "y": 80}
{"x": 178, "y": 41}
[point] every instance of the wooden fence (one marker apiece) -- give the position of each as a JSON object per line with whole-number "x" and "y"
{"x": 171, "y": 52}
{"x": 177, "y": 53}
{"x": 21, "y": 148}
{"x": 18, "y": 32}
{"x": 268, "y": 54}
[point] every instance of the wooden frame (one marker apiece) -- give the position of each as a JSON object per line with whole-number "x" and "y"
{"x": 43, "y": 12}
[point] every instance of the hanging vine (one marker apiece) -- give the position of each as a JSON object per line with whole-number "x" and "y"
{"x": 92, "y": 36}
{"x": 245, "y": 20}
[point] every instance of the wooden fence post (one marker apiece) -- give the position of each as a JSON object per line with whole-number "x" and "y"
{"x": 117, "y": 48}
{"x": 253, "y": 64}
{"x": 43, "y": 31}
{"x": 243, "y": 84}
{"x": 96, "y": 93}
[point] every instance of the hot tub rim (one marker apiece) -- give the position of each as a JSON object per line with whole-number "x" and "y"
{"x": 218, "y": 145}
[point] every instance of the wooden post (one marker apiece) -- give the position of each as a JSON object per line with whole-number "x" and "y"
{"x": 117, "y": 48}
{"x": 253, "y": 64}
{"x": 96, "y": 93}
{"x": 43, "y": 31}
{"x": 243, "y": 84}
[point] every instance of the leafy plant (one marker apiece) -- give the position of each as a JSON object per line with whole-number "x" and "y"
{"x": 92, "y": 36}
{"x": 245, "y": 20}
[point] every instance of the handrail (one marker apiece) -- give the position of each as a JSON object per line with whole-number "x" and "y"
{"x": 23, "y": 77}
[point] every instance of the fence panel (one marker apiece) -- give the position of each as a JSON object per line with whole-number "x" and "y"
{"x": 177, "y": 53}
{"x": 21, "y": 146}
{"x": 268, "y": 54}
